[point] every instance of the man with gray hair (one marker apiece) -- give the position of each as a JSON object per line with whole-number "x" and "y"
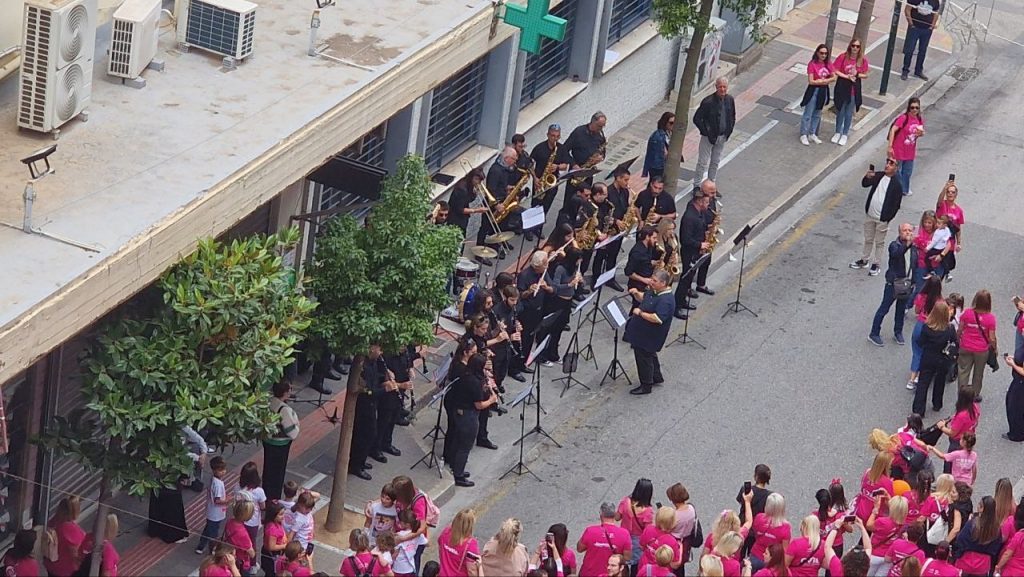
{"x": 502, "y": 177}
{"x": 534, "y": 284}
{"x": 586, "y": 143}
{"x": 715, "y": 119}
{"x": 898, "y": 286}
{"x": 601, "y": 541}
{"x": 647, "y": 329}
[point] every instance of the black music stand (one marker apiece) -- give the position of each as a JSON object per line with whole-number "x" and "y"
{"x": 520, "y": 467}
{"x": 533, "y": 391}
{"x": 617, "y": 320}
{"x": 571, "y": 360}
{"x": 736, "y": 306}
{"x": 435, "y": 434}
{"x": 685, "y": 338}
{"x": 588, "y": 351}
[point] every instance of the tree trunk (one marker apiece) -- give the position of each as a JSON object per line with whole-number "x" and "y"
{"x": 336, "y": 508}
{"x": 864, "y": 23}
{"x": 675, "y": 145}
{"x": 830, "y": 33}
{"x": 99, "y": 526}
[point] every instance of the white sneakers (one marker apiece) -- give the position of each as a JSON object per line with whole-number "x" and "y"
{"x": 815, "y": 139}
{"x": 835, "y": 138}
{"x": 842, "y": 140}
{"x": 803, "y": 140}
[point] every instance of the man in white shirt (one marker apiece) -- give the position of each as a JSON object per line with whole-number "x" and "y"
{"x": 881, "y": 206}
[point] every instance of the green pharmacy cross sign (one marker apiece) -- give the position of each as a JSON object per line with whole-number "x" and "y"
{"x": 534, "y": 21}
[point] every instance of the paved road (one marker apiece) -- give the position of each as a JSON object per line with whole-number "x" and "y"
{"x": 797, "y": 387}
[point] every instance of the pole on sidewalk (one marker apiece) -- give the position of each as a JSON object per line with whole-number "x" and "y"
{"x": 890, "y": 46}
{"x": 833, "y": 16}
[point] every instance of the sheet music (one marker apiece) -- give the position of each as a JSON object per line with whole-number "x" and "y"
{"x": 536, "y": 350}
{"x": 608, "y": 240}
{"x": 533, "y": 217}
{"x": 615, "y": 313}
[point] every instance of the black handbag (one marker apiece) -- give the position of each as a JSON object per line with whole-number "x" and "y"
{"x": 914, "y": 458}
{"x": 902, "y": 287}
{"x": 570, "y": 362}
{"x": 993, "y": 355}
{"x": 931, "y": 435}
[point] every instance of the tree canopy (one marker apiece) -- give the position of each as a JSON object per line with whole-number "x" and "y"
{"x": 677, "y": 18}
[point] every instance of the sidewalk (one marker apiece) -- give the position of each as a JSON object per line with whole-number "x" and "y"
{"x": 764, "y": 170}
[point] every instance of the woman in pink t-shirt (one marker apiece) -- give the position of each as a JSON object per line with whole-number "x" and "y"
{"x": 885, "y": 529}
{"x": 1006, "y": 508}
{"x": 110, "y": 557}
{"x": 805, "y": 554}
{"x": 361, "y": 561}
{"x": 237, "y": 535}
{"x": 657, "y": 534}
{"x": 634, "y": 514}
{"x": 18, "y": 559}
{"x": 457, "y": 550}
{"x": 221, "y": 563}
{"x": 903, "y": 135}
{"x": 938, "y": 565}
{"x": 408, "y": 496}
{"x": 850, "y": 68}
{"x": 70, "y": 538}
{"x": 774, "y": 562}
{"x": 274, "y": 537}
{"x": 770, "y": 528}
{"x": 816, "y": 96}
{"x": 965, "y": 420}
{"x": 977, "y": 337}
{"x": 948, "y": 207}
{"x": 1011, "y": 562}
{"x": 874, "y": 478}
{"x": 922, "y": 237}
{"x": 905, "y": 546}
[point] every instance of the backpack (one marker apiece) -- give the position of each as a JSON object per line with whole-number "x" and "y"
{"x": 369, "y": 568}
{"x": 433, "y": 516}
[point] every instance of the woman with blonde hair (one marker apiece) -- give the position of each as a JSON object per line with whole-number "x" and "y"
{"x": 885, "y": 529}
{"x": 236, "y": 534}
{"x": 458, "y": 552}
{"x": 770, "y": 527}
{"x": 220, "y": 563}
{"x": 659, "y": 535}
{"x": 728, "y": 521}
{"x": 1006, "y": 507}
{"x": 934, "y": 340}
{"x": 711, "y": 566}
{"x": 503, "y": 554}
{"x": 726, "y": 551}
{"x": 70, "y": 538}
{"x": 849, "y": 67}
{"x": 876, "y": 477}
{"x": 110, "y": 557}
{"x": 805, "y": 554}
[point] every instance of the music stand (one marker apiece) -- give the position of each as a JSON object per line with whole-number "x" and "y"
{"x": 571, "y": 360}
{"x": 685, "y": 338}
{"x": 436, "y": 433}
{"x": 520, "y": 467}
{"x": 533, "y": 391}
{"x": 617, "y": 320}
{"x": 532, "y": 217}
{"x": 736, "y": 306}
{"x": 588, "y": 351}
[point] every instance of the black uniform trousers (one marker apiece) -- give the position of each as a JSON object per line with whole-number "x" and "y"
{"x": 388, "y": 407}
{"x": 648, "y": 367}
{"x": 604, "y": 258}
{"x": 685, "y": 283}
{"x": 459, "y": 439}
{"x": 364, "y": 432}
{"x": 702, "y": 273}
{"x": 559, "y": 323}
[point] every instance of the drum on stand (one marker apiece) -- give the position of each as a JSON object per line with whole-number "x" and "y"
{"x": 466, "y": 272}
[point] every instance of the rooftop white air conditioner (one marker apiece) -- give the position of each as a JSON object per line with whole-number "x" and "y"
{"x": 133, "y": 42}
{"x": 58, "y": 41}
{"x": 224, "y": 27}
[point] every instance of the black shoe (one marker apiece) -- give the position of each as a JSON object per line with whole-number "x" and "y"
{"x": 681, "y": 314}
{"x": 379, "y": 457}
{"x": 403, "y": 422}
{"x": 614, "y": 286}
{"x": 499, "y": 410}
{"x": 689, "y": 306}
{"x": 196, "y": 485}
{"x": 977, "y": 399}
{"x": 464, "y": 482}
{"x": 366, "y": 465}
{"x": 705, "y": 290}
{"x": 583, "y": 290}
{"x": 334, "y": 375}
{"x": 921, "y": 76}
{"x": 936, "y": 409}
{"x": 641, "y": 390}
{"x": 319, "y": 387}
{"x": 580, "y": 297}
{"x": 527, "y": 370}
{"x": 692, "y": 294}
{"x": 486, "y": 444}
{"x": 361, "y": 474}
{"x": 517, "y": 377}
{"x": 903, "y": 76}
{"x": 1007, "y": 437}
{"x": 484, "y": 261}
{"x": 393, "y": 450}
{"x": 529, "y": 236}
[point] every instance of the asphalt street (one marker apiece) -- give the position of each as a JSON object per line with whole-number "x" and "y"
{"x": 798, "y": 386}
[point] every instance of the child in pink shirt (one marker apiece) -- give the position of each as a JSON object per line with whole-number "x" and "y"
{"x": 964, "y": 460}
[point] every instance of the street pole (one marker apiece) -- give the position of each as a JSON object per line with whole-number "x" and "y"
{"x": 890, "y": 46}
{"x": 833, "y": 16}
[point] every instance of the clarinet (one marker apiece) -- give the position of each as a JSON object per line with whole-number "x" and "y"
{"x": 516, "y": 348}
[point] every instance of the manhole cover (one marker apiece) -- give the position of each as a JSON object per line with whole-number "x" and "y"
{"x": 963, "y": 74}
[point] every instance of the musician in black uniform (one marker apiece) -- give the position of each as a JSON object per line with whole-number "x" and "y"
{"x": 389, "y": 403}
{"x": 640, "y": 265}
{"x": 464, "y": 400}
{"x": 401, "y": 366}
{"x": 364, "y": 431}
{"x": 710, "y": 190}
{"x": 647, "y": 330}
{"x": 523, "y": 160}
{"x": 508, "y": 309}
{"x": 564, "y": 281}
{"x": 692, "y": 232}
{"x": 502, "y": 177}
{"x": 584, "y": 142}
{"x": 540, "y": 156}
{"x": 610, "y": 210}
{"x": 487, "y": 339}
{"x": 655, "y": 198}
{"x": 534, "y": 284}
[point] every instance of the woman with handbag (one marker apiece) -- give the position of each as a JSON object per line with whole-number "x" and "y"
{"x": 935, "y": 511}
{"x": 937, "y": 342}
{"x": 925, "y": 300}
{"x": 806, "y": 554}
{"x": 686, "y": 529}
{"x": 978, "y": 344}
{"x": 978, "y": 545}
{"x": 635, "y": 514}
{"x": 965, "y": 420}
{"x": 885, "y": 529}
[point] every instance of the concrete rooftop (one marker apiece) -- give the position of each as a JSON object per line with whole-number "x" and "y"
{"x": 146, "y": 156}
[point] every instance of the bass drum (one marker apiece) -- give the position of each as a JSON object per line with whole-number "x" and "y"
{"x": 466, "y": 305}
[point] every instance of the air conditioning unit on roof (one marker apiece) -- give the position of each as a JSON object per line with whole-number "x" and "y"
{"x": 133, "y": 42}
{"x": 224, "y": 27}
{"x": 58, "y": 41}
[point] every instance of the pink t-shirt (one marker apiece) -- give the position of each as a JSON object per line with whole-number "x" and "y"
{"x": 972, "y": 339}
{"x": 932, "y": 508}
{"x": 453, "y": 557}
{"x": 358, "y": 564}
{"x": 848, "y": 66}
{"x": 963, "y": 465}
{"x": 904, "y": 144}
{"x": 765, "y": 535}
{"x": 766, "y": 572}
{"x": 913, "y": 507}
{"x": 110, "y": 559}
{"x": 865, "y": 500}
{"x": 295, "y": 568}
{"x": 215, "y": 571}
{"x": 952, "y": 211}
{"x": 835, "y": 566}
{"x": 26, "y": 567}
{"x": 568, "y": 561}
{"x": 69, "y": 543}
{"x": 900, "y": 550}
{"x": 738, "y": 555}
{"x": 730, "y": 566}
{"x": 819, "y": 70}
{"x": 236, "y": 535}
{"x": 919, "y": 306}
{"x": 921, "y": 240}
{"x": 806, "y": 561}
{"x": 1007, "y": 528}
{"x": 963, "y": 422}
{"x": 273, "y": 534}
{"x": 419, "y": 508}
{"x": 936, "y": 568}
{"x": 601, "y": 542}
{"x": 651, "y": 539}
{"x": 635, "y": 524}
{"x": 886, "y": 531}
{"x": 1015, "y": 566}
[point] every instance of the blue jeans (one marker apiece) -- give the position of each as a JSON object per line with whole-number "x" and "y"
{"x": 919, "y": 37}
{"x": 905, "y": 169}
{"x": 918, "y": 281}
{"x": 844, "y": 120}
{"x": 915, "y": 361}
{"x": 812, "y": 115}
{"x": 210, "y": 534}
{"x": 888, "y": 298}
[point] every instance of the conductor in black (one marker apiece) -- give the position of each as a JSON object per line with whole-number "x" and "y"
{"x": 647, "y": 330}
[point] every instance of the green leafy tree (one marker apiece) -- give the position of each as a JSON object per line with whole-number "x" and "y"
{"x": 205, "y": 354}
{"x": 380, "y": 284}
{"x": 681, "y": 18}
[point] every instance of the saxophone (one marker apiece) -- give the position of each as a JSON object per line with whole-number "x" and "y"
{"x": 586, "y": 235}
{"x": 711, "y": 236}
{"x": 675, "y": 263}
{"x": 590, "y": 163}
{"x": 632, "y": 212}
{"x": 548, "y": 180}
{"x": 511, "y": 201}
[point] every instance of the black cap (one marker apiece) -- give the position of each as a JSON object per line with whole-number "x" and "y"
{"x": 623, "y": 166}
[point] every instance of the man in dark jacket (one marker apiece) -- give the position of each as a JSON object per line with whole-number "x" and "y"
{"x": 715, "y": 119}
{"x": 692, "y": 232}
{"x": 647, "y": 330}
{"x": 881, "y": 206}
{"x": 898, "y": 269}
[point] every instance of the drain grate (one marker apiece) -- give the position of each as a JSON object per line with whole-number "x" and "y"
{"x": 963, "y": 74}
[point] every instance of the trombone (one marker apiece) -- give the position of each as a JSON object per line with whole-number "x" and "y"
{"x": 485, "y": 196}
